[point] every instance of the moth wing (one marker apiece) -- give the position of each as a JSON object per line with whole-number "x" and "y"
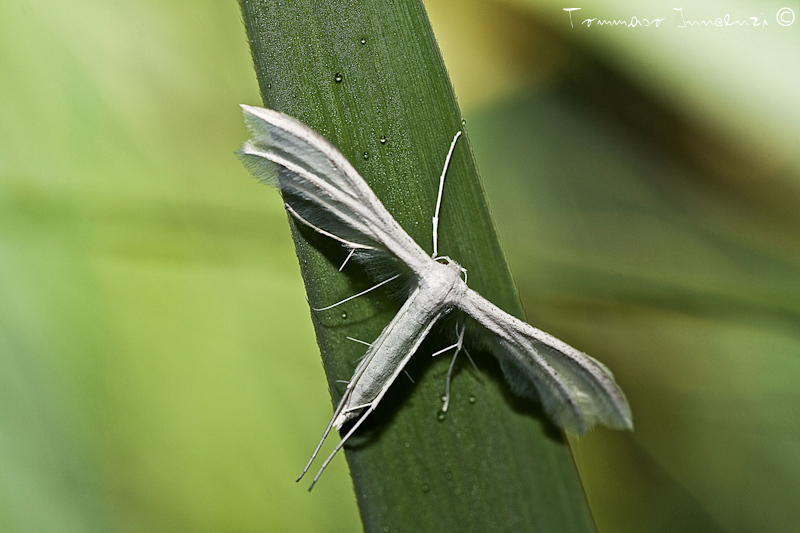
{"x": 576, "y": 390}
{"x": 321, "y": 186}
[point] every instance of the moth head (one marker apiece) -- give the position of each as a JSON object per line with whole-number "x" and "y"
{"x": 445, "y": 260}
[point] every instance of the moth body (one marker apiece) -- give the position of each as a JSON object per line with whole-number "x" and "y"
{"x": 438, "y": 290}
{"x": 319, "y": 184}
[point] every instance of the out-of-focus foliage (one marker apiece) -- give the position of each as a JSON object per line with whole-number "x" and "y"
{"x": 646, "y": 188}
{"x": 157, "y": 364}
{"x": 156, "y": 355}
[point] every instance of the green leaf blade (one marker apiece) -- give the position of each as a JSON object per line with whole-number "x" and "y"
{"x": 493, "y": 463}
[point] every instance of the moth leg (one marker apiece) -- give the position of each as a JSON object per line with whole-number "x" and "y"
{"x": 346, "y": 259}
{"x": 474, "y": 366}
{"x": 321, "y": 231}
{"x": 458, "y": 346}
{"x": 447, "y": 383}
{"x": 353, "y": 429}
{"x": 365, "y": 343}
{"x": 336, "y": 413}
{"x": 384, "y": 282}
{"x": 368, "y": 344}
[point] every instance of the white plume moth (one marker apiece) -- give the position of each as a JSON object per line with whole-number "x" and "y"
{"x": 322, "y": 190}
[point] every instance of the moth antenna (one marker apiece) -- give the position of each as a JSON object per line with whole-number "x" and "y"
{"x": 439, "y": 196}
{"x": 384, "y": 282}
{"x": 321, "y": 231}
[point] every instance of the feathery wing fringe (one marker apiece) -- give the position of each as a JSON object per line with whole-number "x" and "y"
{"x": 321, "y": 186}
{"x": 576, "y": 390}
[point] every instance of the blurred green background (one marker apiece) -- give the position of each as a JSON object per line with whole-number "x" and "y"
{"x": 158, "y": 370}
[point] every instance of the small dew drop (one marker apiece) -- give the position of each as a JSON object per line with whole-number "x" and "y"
{"x": 363, "y": 40}
{"x": 463, "y": 121}
{"x": 407, "y": 444}
{"x": 383, "y": 139}
{"x": 441, "y": 416}
{"x": 366, "y": 156}
{"x": 472, "y": 399}
{"x": 337, "y": 78}
{"x": 269, "y": 86}
{"x": 457, "y": 491}
{"x": 344, "y": 315}
{"x": 386, "y": 529}
{"x": 444, "y": 399}
{"x": 448, "y": 475}
{"x": 425, "y": 488}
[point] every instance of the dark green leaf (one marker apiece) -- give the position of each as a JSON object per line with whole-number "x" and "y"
{"x": 358, "y": 73}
